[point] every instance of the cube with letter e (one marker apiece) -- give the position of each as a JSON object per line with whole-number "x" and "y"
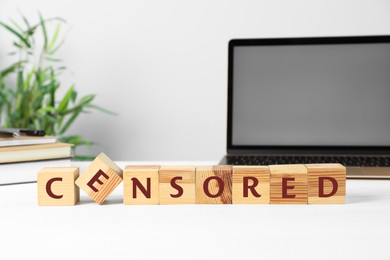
{"x": 288, "y": 184}
{"x": 100, "y": 178}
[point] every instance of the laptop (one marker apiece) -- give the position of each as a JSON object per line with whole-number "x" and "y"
{"x": 310, "y": 100}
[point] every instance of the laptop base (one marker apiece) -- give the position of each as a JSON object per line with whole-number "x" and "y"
{"x": 358, "y": 167}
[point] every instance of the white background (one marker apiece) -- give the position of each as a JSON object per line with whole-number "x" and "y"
{"x": 162, "y": 65}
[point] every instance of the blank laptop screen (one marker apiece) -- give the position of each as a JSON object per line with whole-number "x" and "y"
{"x": 311, "y": 95}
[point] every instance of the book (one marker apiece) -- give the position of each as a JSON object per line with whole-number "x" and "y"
{"x": 13, "y": 173}
{"x": 37, "y": 152}
{"x": 26, "y": 140}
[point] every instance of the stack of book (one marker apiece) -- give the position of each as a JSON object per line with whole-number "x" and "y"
{"x": 23, "y": 156}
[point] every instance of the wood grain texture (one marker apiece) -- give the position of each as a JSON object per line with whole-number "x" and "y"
{"x": 61, "y": 183}
{"x": 211, "y": 175}
{"x": 132, "y": 194}
{"x": 169, "y": 194}
{"x": 100, "y": 178}
{"x": 259, "y": 173}
{"x": 296, "y": 171}
{"x": 317, "y": 171}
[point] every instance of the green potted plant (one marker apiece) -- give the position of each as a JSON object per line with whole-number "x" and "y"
{"x": 31, "y": 100}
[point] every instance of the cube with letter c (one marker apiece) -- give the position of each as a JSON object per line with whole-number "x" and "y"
{"x": 56, "y": 186}
{"x": 100, "y": 178}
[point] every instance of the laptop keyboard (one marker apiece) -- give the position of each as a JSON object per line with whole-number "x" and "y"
{"x": 371, "y": 161}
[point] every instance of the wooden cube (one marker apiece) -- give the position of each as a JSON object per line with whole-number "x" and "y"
{"x": 56, "y": 186}
{"x": 177, "y": 185}
{"x": 251, "y": 184}
{"x": 326, "y": 183}
{"x": 100, "y": 178}
{"x": 214, "y": 184}
{"x": 288, "y": 184}
{"x": 140, "y": 184}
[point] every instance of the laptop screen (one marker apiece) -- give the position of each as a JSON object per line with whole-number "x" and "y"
{"x": 335, "y": 94}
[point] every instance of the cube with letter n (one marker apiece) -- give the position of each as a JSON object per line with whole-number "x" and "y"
{"x": 140, "y": 184}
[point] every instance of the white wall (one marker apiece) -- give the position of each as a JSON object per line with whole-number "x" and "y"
{"x": 163, "y": 64}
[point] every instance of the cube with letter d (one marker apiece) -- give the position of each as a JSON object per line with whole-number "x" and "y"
{"x": 326, "y": 183}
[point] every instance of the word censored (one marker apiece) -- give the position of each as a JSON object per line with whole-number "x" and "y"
{"x": 220, "y": 184}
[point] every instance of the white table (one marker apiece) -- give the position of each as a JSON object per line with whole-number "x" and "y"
{"x": 358, "y": 230}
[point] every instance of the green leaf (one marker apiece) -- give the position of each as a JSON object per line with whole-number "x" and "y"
{"x": 73, "y": 97}
{"x": 11, "y": 68}
{"x": 17, "y": 26}
{"x": 19, "y": 91}
{"x": 13, "y": 31}
{"x": 76, "y": 140}
{"x": 84, "y": 158}
{"x": 70, "y": 121}
{"x": 47, "y": 109}
{"x": 28, "y": 79}
{"x": 86, "y": 99}
{"x": 30, "y": 31}
{"x": 18, "y": 45}
{"x": 53, "y": 59}
{"x": 33, "y": 28}
{"x": 44, "y": 31}
{"x": 101, "y": 109}
{"x": 65, "y": 101}
{"x": 53, "y": 87}
{"x": 55, "y": 36}
{"x": 55, "y": 49}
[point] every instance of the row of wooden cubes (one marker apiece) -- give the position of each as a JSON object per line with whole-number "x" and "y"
{"x": 221, "y": 184}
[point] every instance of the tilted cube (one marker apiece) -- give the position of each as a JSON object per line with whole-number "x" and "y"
{"x": 100, "y": 178}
